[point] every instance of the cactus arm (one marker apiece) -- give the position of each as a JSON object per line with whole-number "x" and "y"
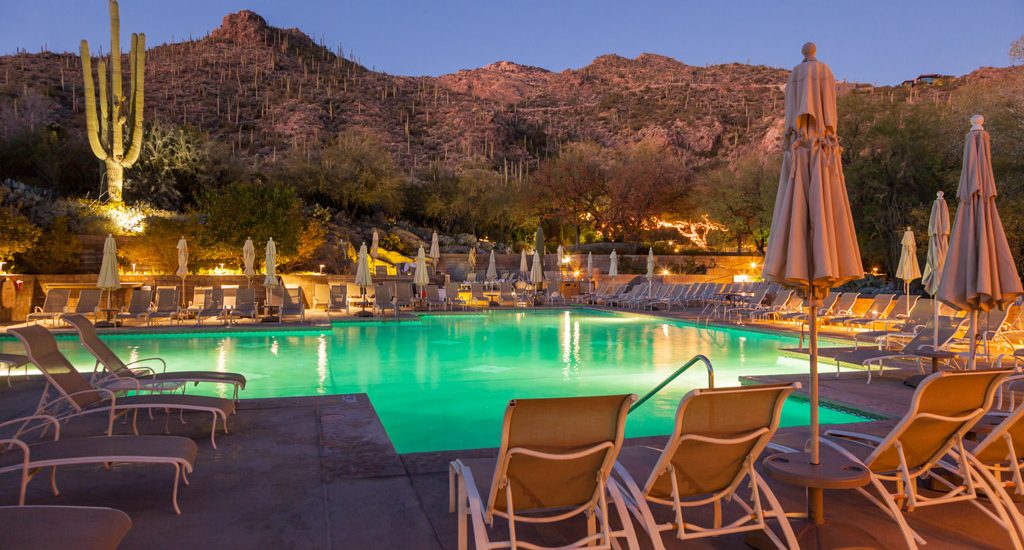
{"x": 92, "y": 127}
{"x": 131, "y": 81}
{"x": 117, "y": 92}
{"x": 104, "y": 98}
{"x": 137, "y": 100}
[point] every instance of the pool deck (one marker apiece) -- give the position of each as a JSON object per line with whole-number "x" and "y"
{"x": 320, "y": 472}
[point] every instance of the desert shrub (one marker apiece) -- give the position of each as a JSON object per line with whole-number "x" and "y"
{"x": 173, "y": 167}
{"x": 17, "y": 233}
{"x": 57, "y": 251}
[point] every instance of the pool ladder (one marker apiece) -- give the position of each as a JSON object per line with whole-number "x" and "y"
{"x": 668, "y": 380}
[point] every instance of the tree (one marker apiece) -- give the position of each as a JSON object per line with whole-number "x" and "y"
{"x": 1017, "y": 50}
{"x": 258, "y": 210}
{"x": 742, "y": 197}
{"x": 646, "y": 180}
{"x": 575, "y": 187}
{"x": 57, "y": 251}
{"x": 17, "y": 234}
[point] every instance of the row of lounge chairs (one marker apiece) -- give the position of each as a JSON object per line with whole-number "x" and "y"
{"x": 562, "y": 458}
{"x": 393, "y": 296}
{"x": 69, "y": 394}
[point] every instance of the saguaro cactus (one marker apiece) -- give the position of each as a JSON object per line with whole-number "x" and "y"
{"x": 106, "y": 128}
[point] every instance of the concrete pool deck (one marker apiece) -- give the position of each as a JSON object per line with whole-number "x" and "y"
{"x": 320, "y": 472}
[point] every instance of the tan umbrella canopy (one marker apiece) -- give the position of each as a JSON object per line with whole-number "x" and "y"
{"x": 420, "y": 277}
{"x": 435, "y": 249}
{"x": 979, "y": 273}
{"x": 472, "y": 259}
{"x": 650, "y": 270}
{"x": 590, "y": 270}
{"x": 110, "y": 278}
{"x": 524, "y": 268}
{"x": 374, "y": 245}
{"x": 271, "y": 266}
{"x": 492, "y": 269}
{"x": 938, "y": 244}
{"x": 908, "y": 269}
{"x": 182, "y": 263}
{"x": 249, "y": 258}
{"x": 613, "y": 265}
{"x": 813, "y": 244}
{"x": 363, "y": 278}
{"x": 537, "y": 271}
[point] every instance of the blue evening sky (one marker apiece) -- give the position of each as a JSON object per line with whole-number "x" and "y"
{"x": 876, "y": 41}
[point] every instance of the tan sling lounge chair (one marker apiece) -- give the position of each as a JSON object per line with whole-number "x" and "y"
{"x": 337, "y": 298}
{"x": 88, "y": 302}
{"x": 945, "y": 406}
{"x": 16, "y": 454}
{"x": 718, "y": 436}
{"x": 114, "y": 365}
{"x": 78, "y": 527}
{"x": 245, "y": 306}
{"x": 138, "y": 307}
{"x": 55, "y": 303}
{"x": 554, "y": 463}
{"x": 165, "y": 305}
{"x": 76, "y": 396}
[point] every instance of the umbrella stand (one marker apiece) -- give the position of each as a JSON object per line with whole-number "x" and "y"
{"x": 362, "y": 303}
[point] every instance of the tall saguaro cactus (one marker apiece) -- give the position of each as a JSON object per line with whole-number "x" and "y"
{"x": 106, "y": 128}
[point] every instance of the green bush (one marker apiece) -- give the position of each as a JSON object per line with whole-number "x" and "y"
{"x": 57, "y": 251}
{"x": 156, "y": 248}
{"x": 17, "y": 233}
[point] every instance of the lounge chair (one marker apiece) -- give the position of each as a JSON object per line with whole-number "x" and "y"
{"x": 138, "y": 307}
{"x": 878, "y": 306}
{"x": 434, "y": 298}
{"x": 754, "y": 303}
{"x": 476, "y": 295}
{"x": 800, "y": 316}
{"x": 165, "y": 305}
{"x": 843, "y": 308}
{"x": 921, "y": 313}
{"x": 212, "y": 306}
{"x": 76, "y": 396}
{"x": 714, "y": 446}
{"x": 382, "y": 300}
{"x": 945, "y": 406}
{"x": 924, "y": 341}
{"x": 16, "y": 454}
{"x": 451, "y": 295}
{"x": 200, "y": 295}
{"x": 55, "y": 303}
{"x": 321, "y": 296}
{"x": 114, "y": 365}
{"x": 88, "y": 302}
{"x": 404, "y": 294}
{"x": 380, "y": 271}
{"x": 245, "y": 306}
{"x": 78, "y": 527}
{"x": 507, "y": 294}
{"x": 337, "y": 299}
{"x": 553, "y": 464}
{"x": 292, "y": 305}
{"x": 778, "y": 305}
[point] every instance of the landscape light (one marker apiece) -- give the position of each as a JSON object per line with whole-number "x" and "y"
{"x": 321, "y": 269}
{"x": 665, "y": 271}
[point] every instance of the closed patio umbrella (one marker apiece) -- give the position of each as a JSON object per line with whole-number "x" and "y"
{"x": 979, "y": 273}
{"x": 182, "y": 263}
{"x": 524, "y": 268}
{"x": 590, "y": 270}
{"x": 492, "y": 270}
{"x": 435, "y": 250}
{"x": 537, "y": 271}
{"x": 613, "y": 265}
{"x": 271, "y": 267}
{"x": 249, "y": 259}
{"x": 375, "y": 245}
{"x": 812, "y": 245}
{"x": 363, "y": 278}
{"x": 938, "y": 245}
{"x": 472, "y": 259}
{"x": 421, "y": 277}
{"x": 110, "y": 278}
{"x": 650, "y": 270}
{"x": 908, "y": 268}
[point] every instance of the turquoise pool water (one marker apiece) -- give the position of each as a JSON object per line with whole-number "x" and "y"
{"x": 443, "y": 382}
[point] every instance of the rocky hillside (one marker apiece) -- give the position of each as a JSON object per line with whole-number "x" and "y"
{"x": 267, "y": 90}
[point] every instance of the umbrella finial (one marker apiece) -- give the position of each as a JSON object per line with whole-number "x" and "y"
{"x": 978, "y": 122}
{"x": 939, "y": 195}
{"x": 809, "y": 50}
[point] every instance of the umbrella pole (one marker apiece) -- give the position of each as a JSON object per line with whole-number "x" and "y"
{"x": 815, "y": 497}
{"x": 972, "y": 356}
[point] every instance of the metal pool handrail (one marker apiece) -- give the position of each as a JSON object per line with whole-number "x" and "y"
{"x": 693, "y": 360}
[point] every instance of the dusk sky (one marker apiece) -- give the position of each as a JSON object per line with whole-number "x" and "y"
{"x": 882, "y": 42}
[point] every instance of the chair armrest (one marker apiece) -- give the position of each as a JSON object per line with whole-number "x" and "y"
{"x": 44, "y": 419}
{"x": 867, "y": 440}
{"x": 137, "y": 361}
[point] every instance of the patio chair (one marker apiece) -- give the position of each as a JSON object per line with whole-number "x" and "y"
{"x": 200, "y": 295}
{"x": 88, "y": 302}
{"x": 843, "y": 307}
{"x": 115, "y": 366}
{"x": 714, "y": 446}
{"x": 16, "y": 454}
{"x": 292, "y": 305}
{"x": 55, "y": 303}
{"x": 779, "y": 304}
{"x": 924, "y": 341}
{"x": 434, "y": 298}
{"x": 506, "y": 294}
{"x": 878, "y": 306}
{"x": 212, "y": 305}
{"x": 380, "y": 271}
{"x": 165, "y": 305}
{"x": 476, "y": 295}
{"x": 138, "y": 307}
{"x": 79, "y": 527}
{"x": 896, "y": 313}
{"x": 800, "y": 316}
{"x": 921, "y": 313}
{"x": 321, "y": 296}
{"x": 245, "y": 306}
{"x": 945, "y": 406}
{"x": 382, "y": 300}
{"x": 553, "y": 464}
{"x": 752, "y": 304}
{"x": 451, "y": 295}
{"x": 403, "y": 294}
{"x": 76, "y": 396}
{"x": 337, "y": 299}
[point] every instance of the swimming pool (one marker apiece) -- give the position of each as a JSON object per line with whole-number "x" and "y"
{"x": 442, "y": 382}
